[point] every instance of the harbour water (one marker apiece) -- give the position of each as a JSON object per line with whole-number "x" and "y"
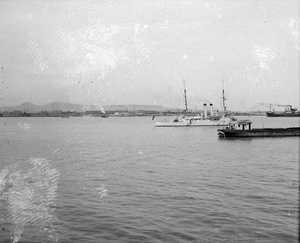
{"x": 123, "y": 180}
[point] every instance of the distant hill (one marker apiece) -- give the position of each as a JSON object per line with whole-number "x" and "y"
{"x": 31, "y": 108}
{"x": 133, "y": 107}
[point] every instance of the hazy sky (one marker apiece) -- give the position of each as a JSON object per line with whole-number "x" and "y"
{"x": 125, "y": 52}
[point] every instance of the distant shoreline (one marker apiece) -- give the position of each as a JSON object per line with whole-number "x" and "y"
{"x": 58, "y": 109}
{"x": 66, "y": 114}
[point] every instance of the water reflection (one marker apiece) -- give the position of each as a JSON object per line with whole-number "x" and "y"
{"x": 29, "y": 198}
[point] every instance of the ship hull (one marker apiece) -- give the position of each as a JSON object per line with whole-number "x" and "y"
{"x": 207, "y": 122}
{"x": 282, "y": 114}
{"x": 171, "y": 124}
{"x": 263, "y": 132}
{"x": 194, "y": 123}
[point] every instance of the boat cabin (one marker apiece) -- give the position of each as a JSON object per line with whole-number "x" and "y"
{"x": 242, "y": 123}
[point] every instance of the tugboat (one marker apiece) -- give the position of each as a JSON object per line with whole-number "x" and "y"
{"x": 233, "y": 131}
{"x": 288, "y": 112}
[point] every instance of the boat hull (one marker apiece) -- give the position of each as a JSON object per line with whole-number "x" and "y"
{"x": 262, "y": 132}
{"x": 195, "y": 123}
{"x": 171, "y": 124}
{"x": 283, "y": 114}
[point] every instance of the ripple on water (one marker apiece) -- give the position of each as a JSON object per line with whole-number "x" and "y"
{"x": 29, "y": 198}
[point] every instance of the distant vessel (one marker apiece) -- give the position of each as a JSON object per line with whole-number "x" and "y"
{"x": 200, "y": 120}
{"x": 233, "y": 131}
{"x": 288, "y": 112}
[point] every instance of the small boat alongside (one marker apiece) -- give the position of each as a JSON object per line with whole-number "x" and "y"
{"x": 176, "y": 122}
{"x": 239, "y": 129}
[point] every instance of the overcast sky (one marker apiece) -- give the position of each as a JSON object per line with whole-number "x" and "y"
{"x": 139, "y": 52}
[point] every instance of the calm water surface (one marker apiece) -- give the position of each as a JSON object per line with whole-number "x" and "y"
{"x": 123, "y": 180}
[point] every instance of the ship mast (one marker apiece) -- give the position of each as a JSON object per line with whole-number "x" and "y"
{"x": 185, "y": 99}
{"x": 223, "y": 97}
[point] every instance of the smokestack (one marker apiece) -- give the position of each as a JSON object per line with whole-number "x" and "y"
{"x": 211, "y": 109}
{"x": 205, "y": 110}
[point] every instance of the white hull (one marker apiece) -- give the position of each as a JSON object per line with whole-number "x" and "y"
{"x": 171, "y": 124}
{"x": 190, "y": 122}
{"x": 207, "y": 122}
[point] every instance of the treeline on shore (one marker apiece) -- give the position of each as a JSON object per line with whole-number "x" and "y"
{"x": 59, "y": 113}
{"x": 56, "y": 113}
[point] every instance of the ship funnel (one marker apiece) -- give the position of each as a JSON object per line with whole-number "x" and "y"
{"x": 205, "y": 110}
{"x": 211, "y": 109}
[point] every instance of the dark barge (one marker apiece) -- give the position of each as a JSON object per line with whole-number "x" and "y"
{"x": 233, "y": 131}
